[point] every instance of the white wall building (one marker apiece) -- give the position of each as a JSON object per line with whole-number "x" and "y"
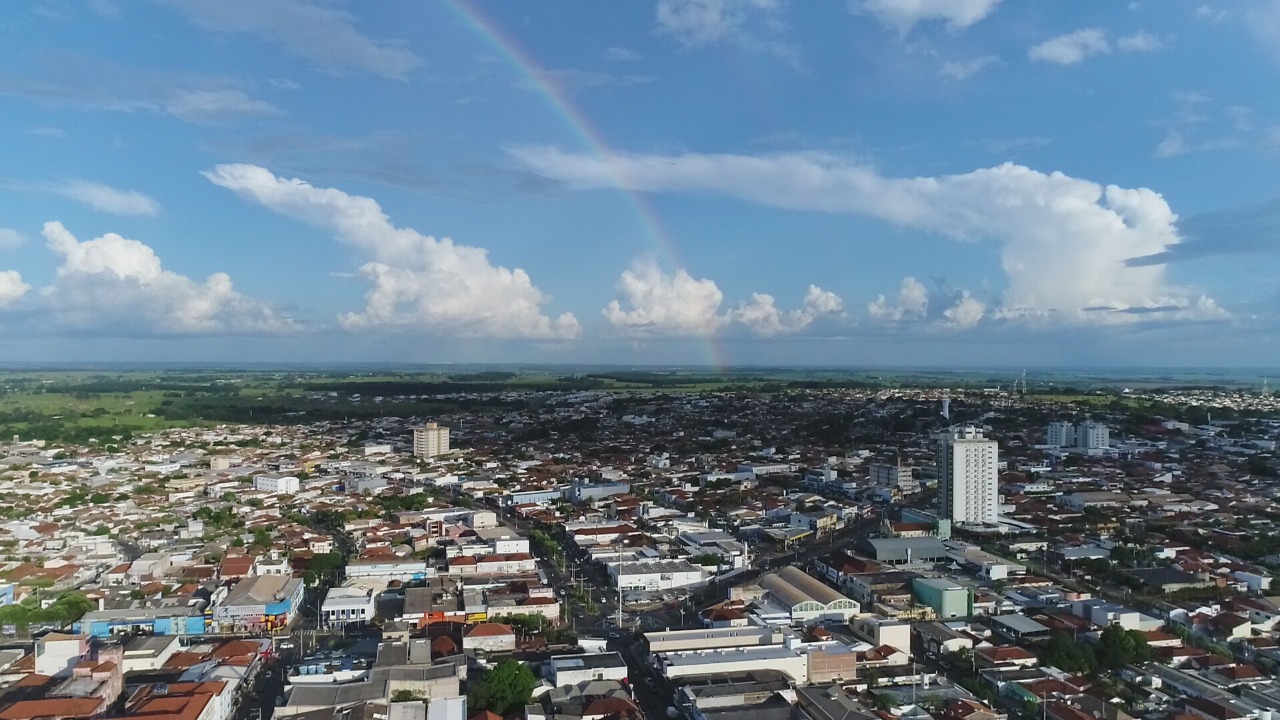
{"x": 430, "y": 440}
{"x": 346, "y": 605}
{"x": 276, "y": 484}
{"x": 574, "y": 669}
{"x": 656, "y": 576}
{"x": 968, "y": 472}
{"x": 1060, "y": 433}
{"x": 1092, "y": 436}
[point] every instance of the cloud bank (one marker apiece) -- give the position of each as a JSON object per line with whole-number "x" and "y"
{"x": 1064, "y": 241}
{"x": 417, "y": 281}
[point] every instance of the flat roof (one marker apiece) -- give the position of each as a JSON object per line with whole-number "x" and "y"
{"x": 1020, "y": 623}
{"x": 587, "y": 660}
{"x": 701, "y": 657}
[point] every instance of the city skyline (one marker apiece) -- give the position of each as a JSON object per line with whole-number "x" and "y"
{"x": 700, "y": 182}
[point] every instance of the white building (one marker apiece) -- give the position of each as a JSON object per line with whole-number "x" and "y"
{"x": 1084, "y": 435}
{"x": 574, "y": 669}
{"x": 430, "y": 440}
{"x": 657, "y": 575}
{"x": 1092, "y": 436}
{"x": 967, "y": 471}
{"x": 1060, "y": 433}
{"x": 346, "y": 605}
{"x": 276, "y": 484}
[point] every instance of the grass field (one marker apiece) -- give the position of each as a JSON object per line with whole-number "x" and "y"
{"x": 75, "y": 405}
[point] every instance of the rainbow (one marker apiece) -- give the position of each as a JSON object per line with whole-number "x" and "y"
{"x": 562, "y": 105}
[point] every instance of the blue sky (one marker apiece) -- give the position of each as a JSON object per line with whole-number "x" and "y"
{"x": 909, "y": 182}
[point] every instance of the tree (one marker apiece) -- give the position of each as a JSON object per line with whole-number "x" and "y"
{"x": 1118, "y": 647}
{"x": 503, "y": 689}
{"x": 1064, "y": 653}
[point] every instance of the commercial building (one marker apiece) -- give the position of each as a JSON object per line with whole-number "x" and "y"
{"x": 967, "y": 470}
{"x": 658, "y": 575}
{"x": 574, "y": 669}
{"x": 430, "y": 440}
{"x": 347, "y": 605}
{"x": 729, "y": 637}
{"x": 277, "y": 484}
{"x": 948, "y": 599}
{"x": 807, "y": 599}
{"x": 904, "y": 551}
{"x": 168, "y": 616}
{"x": 262, "y": 602}
{"x": 894, "y": 476}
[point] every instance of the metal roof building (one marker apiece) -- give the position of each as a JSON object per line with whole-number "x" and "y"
{"x": 903, "y": 551}
{"x": 807, "y": 598}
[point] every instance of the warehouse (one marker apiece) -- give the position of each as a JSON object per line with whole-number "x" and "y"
{"x": 808, "y": 599}
{"x": 905, "y": 551}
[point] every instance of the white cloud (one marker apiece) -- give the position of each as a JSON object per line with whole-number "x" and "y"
{"x": 324, "y": 35}
{"x": 11, "y": 287}
{"x": 112, "y": 283}
{"x": 965, "y": 69}
{"x": 101, "y": 85}
{"x": 11, "y": 239}
{"x": 966, "y": 313}
{"x": 665, "y": 304}
{"x": 912, "y": 303}
{"x": 763, "y": 317}
{"x": 1173, "y": 145}
{"x": 1072, "y": 48}
{"x": 620, "y": 54}
{"x": 215, "y": 106}
{"x": 1140, "y": 41}
{"x": 656, "y": 303}
{"x": 418, "y": 281}
{"x": 107, "y": 199}
{"x": 754, "y": 25}
{"x": 1083, "y": 231}
{"x": 906, "y": 14}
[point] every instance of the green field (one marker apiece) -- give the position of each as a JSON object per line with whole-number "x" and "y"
{"x": 79, "y": 405}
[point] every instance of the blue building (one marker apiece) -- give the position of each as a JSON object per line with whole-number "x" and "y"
{"x": 164, "y": 617}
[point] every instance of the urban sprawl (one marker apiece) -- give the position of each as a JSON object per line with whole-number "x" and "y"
{"x": 825, "y": 554}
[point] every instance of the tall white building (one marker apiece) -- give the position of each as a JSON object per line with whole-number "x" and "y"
{"x": 1061, "y": 434}
{"x": 278, "y": 484}
{"x": 430, "y": 440}
{"x": 1092, "y": 436}
{"x": 967, "y": 470}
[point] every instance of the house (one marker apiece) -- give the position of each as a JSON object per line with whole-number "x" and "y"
{"x": 489, "y": 638}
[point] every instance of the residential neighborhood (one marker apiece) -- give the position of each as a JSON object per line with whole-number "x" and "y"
{"x": 821, "y": 554}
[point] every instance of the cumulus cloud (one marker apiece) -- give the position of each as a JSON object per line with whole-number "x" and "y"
{"x": 762, "y": 316}
{"x": 1064, "y": 241}
{"x": 417, "y": 281}
{"x": 906, "y": 14}
{"x": 657, "y": 303}
{"x": 11, "y": 287}
{"x": 966, "y": 313}
{"x": 1075, "y": 47}
{"x": 1071, "y": 48}
{"x": 912, "y": 303}
{"x": 107, "y": 199}
{"x": 113, "y": 284}
{"x": 324, "y": 35}
{"x": 665, "y": 304}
